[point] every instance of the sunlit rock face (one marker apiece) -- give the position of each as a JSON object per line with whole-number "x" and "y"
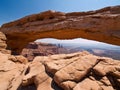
{"x": 75, "y": 71}
{"x": 101, "y": 25}
{"x": 3, "y": 44}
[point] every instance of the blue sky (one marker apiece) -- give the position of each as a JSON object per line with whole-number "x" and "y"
{"x": 78, "y": 42}
{"x": 11, "y": 10}
{"x": 14, "y": 9}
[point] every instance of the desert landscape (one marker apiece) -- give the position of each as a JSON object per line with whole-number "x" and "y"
{"x": 29, "y": 65}
{"x": 38, "y": 48}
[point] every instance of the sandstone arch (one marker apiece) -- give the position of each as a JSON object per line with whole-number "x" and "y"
{"x": 101, "y": 25}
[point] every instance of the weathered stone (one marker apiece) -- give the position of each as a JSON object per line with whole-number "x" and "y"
{"x": 103, "y": 23}
{"x": 11, "y": 74}
{"x": 18, "y": 59}
{"x": 3, "y": 44}
{"x": 33, "y": 70}
{"x": 68, "y": 85}
{"x": 107, "y": 66}
{"x": 87, "y": 84}
{"x": 43, "y": 81}
{"x": 64, "y": 60}
{"x": 77, "y": 70}
{"x": 93, "y": 84}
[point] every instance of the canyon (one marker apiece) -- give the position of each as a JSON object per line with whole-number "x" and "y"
{"x": 34, "y": 49}
{"x": 100, "y": 25}
{"x": 75, "y": 71}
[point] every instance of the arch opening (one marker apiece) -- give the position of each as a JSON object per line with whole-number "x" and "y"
{"x": 101, "y": 25}
{"x": 50, "y": 46}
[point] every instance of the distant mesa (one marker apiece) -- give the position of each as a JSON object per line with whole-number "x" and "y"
{"x": 34, "y": 49}
{"x": 75, "y": 71}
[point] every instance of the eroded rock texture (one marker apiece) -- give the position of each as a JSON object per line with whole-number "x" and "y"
{"x": 3, "y": 44}
{"x": 12, "y": 71}
{"x": 103, "y": 23}
{"x": 76, "y": 71}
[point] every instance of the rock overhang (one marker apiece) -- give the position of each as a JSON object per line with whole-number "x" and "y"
{"x": 100, "y": 25}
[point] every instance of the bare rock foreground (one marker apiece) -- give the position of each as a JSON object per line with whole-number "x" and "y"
{"x": 77, "y": 71}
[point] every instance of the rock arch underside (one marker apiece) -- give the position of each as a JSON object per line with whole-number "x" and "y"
{"x": 75, "y": 71}
{"x": 101, "y": 25}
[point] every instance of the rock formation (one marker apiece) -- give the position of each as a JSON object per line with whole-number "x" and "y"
{"x": 12, "y": 70}
{"x": 103, "y": 23}
{"x": 3, "y": 44}
{"x": 34, "y": 49}
{"x": 76, "y": 71}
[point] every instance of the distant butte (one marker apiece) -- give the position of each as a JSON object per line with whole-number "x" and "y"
{"x": 101, "y": 25}
{"x": 75, "y": 71}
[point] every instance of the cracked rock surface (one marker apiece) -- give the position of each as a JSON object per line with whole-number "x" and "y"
{"x": 11, "y": 73}
{"x": 76, "y": 71}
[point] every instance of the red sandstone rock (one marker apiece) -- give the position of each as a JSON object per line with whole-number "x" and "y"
{"x": 11, "y": 74}
{"x": 89, "y": 84}
{"x": 56, "y": 65}
{"x": 106, "y": 67}
{"x": 103, "y": 23}
{"x": 77, "y": 71}
{"x": 43, "y": 81}
{"x": 3, "y": 44}
{"x": 34, "y": 49}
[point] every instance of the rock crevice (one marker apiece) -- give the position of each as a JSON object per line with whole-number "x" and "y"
{"x": 76, "y": 71}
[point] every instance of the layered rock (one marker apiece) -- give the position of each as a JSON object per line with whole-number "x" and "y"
{"x": 3, "y": 44}
{"x": 34, "y": 49}
{"x": 103, "y": 23}
{"x": 11, "y": 73}
{"x": 76, "y": 71}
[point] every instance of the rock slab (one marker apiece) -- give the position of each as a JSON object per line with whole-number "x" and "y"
{"x": 76, "y": 71}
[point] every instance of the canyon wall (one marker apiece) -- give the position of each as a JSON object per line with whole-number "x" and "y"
{"x": 101, "y": 25}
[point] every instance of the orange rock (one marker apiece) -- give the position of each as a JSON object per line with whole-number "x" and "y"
{"x": 89, "y": 84}
{"x": 3, "y": 44}
{"x": 11, "y": 74}
{"x": 107, "y": 66}
{"x": 103, "y": 23}
{"x": 77, "y": 71}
